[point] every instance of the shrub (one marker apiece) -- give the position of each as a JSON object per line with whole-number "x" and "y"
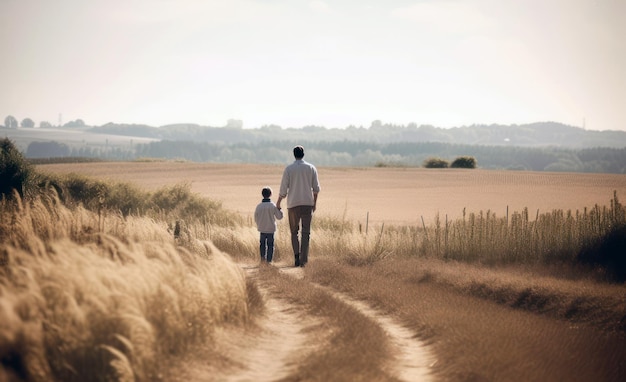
{"x": 180, "y": 202}
{"x": 169, "y": 202}
{"x": 80, "y": 189}
{"x": 464, "y": 162}
{"x": 15, "y": 172}
{"x": 435, "y": 163}
{"x": 607, "y": 252}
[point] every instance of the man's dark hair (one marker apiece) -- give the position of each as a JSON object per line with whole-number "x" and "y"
{"x": 266, "y": 192}
{"x": 298, "y": 152}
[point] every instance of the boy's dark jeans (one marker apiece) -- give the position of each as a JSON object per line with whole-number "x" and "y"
{"x": 297, "y": 215}
{"x": 267, "y": 246}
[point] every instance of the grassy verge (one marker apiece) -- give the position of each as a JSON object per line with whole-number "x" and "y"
{"x": 82, "y": 300}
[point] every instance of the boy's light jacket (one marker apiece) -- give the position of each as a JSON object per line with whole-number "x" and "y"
{"x": 265, "y": 216}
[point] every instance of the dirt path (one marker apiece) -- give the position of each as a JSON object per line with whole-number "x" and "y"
{"x": 412, "y": 359}
{"x": 269, "y": 352}
{"x": 270, "y": 349}
{"x": 265, "y": 351}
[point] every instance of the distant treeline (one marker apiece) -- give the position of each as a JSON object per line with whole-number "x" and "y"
{"x": 538, "y": 147}
{"x": 351, "y": 153}
{"x": 347, "y": 153}
{"x": 541, "y": 134}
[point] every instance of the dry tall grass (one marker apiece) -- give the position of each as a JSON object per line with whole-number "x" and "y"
{"x": 83, "y": 299}
{"x": 532, "y": 264}
{"x": 550, "y": 236}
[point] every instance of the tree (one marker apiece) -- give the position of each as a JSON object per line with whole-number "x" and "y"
{"x": 464, "y": 162}
{"x": 45, "y": 124}
{"x": 376, "y": 124}
{"x": 76, "y": 123}
{"x": 27, "y": 122}
{"x": 10, "y": 122}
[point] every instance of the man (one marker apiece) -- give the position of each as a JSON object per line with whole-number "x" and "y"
{"x": 300, "y": 186}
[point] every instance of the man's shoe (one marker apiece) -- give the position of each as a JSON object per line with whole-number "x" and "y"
{"x": 297, "y": 261}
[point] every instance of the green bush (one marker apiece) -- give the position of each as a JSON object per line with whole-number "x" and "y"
{"x": 464, "y": 162}
{"x": 435, "y": 163}
{"x": 178, "y": 201}
{"x": 81, "y": 189}
{"x": 606, "y": 250}
{"x": 15, "y": 172}
{"x": 126, "y": 198}
{"x": 607, "y": 253}
{"x": 169, "y": 202}
{"x": 97, "y": 194}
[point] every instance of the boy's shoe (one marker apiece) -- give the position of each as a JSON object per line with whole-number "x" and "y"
{"x": 297, "y": 260}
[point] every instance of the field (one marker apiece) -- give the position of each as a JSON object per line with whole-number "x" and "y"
{"x": 387, "y": 305}
{"x": 389, "y": 195}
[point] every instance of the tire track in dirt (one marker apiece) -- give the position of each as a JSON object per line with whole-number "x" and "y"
{"x": 271, "y": 350}
{"x": 413, "y": 360}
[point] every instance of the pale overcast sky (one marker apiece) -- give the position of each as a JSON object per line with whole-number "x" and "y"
{"x": 331, "y": 63}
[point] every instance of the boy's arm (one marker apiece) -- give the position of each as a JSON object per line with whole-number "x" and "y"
{"x": 278, "y": 213}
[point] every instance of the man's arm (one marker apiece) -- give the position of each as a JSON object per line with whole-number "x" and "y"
{"x": 284, "y": 187}
{"x": 278, "y": 201}
{"x": 315, "y": 186}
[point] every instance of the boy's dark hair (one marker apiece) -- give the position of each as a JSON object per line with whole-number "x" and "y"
{"x": 266, "y": 192}
{"x": 298, "y": 152}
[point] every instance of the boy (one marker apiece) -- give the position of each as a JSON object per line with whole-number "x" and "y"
{"x": 265, "y": 217}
